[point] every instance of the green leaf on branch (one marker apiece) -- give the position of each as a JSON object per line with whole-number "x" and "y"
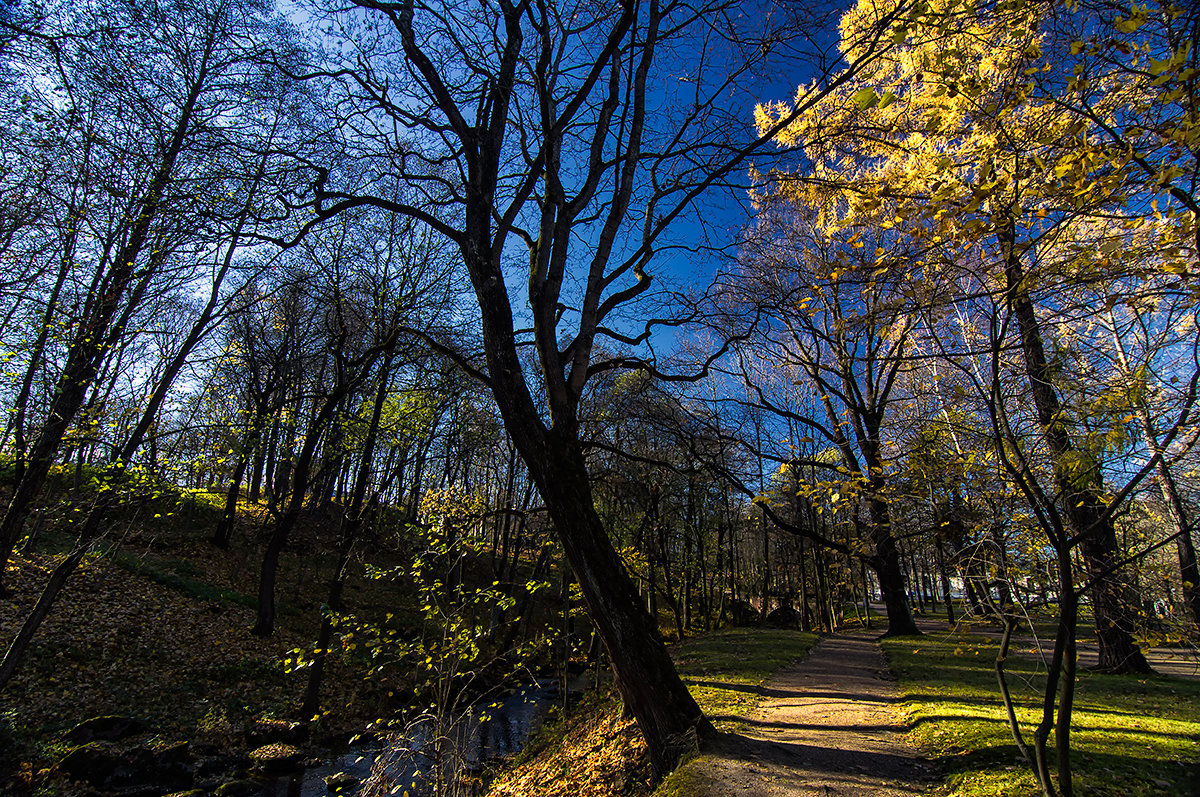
{"x": 866, "y": 98}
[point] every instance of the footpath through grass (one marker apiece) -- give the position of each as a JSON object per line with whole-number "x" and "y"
{"x": 1132, "y": 737}
{"x": 724, "y": 670}
{"x": 595, "y": 752}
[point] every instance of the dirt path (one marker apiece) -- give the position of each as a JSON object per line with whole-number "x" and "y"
{"x": 828, "y": 725}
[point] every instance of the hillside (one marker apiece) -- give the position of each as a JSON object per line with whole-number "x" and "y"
{"x": 154, "y": 628}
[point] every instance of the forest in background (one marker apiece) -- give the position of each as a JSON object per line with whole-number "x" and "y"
{"x": 514, "y": 305}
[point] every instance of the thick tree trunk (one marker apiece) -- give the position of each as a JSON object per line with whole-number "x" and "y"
{"x": 665, "y": 711}
{"x": 669, "y": 718}
{"x": 1082, "y": 507}
{"x": 1112, "y": 599}
{"x": 886, "y": 564}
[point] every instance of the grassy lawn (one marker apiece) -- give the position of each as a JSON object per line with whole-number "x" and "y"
{"x": 724, "y": 669}
{"x": 1132, "y": 737}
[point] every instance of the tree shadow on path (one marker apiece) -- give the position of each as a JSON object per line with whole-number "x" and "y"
{"x": 827, "y": 725}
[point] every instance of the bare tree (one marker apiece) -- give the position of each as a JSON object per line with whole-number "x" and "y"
{"x": 148, "y": 103}
{"x": 836, "y": 321}
{"x": 560, "y": 127}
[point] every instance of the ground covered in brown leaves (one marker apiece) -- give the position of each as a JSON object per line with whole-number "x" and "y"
{"x": 594, "y": 753}
{"x": 113, "y": 633}
{"x": 157, "y": 628}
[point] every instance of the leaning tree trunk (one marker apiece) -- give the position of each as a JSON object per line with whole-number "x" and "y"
{"x": 94, "y": 522}
{"x": 15, "y": 654}
{"x": 20, "y": 406}
{"x": 1189, "y": 573}
{"x": 665, "y": 711}
{"x": 1083, "y": 508}
{"x": 667, "y": 714}
{"x": 94, "y": 337}
{"x": 224, "y": 533}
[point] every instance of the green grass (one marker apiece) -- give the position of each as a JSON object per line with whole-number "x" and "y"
{"x": 685, "y": 781}
{"x": 724, "y": 669}
{"x": 1132, "y": 736}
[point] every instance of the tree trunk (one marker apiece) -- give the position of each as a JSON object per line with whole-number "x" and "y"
{"x": 866, "y": 594}
{"x": 264, "y": 625}
{"x": 310, "y": 707}
{"x": 352, "y": 522}
{"x": 1116, "y": 622}
{"x": 766, "y": 565}
{"x": 886, "y": 564}
{"x": 1082, "y": 506}
{"x": 1189, "y": 573}
{"x": 224, "y": 533}
{"x": 50, "y": 592}
{"x": 824, "y": 615}
{"x": 95, "y": 335}
{"x": 17, "y": 420}
{"x": 665, "y": 711}
{"x": 256, "y": 475}
{"x": 945, "y": 574}
{"x": 806, "y": 622}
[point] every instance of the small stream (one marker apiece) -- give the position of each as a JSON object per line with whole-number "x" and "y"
{"x": 487, "y": 732}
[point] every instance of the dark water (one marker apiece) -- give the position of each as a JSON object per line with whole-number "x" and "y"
{"x": 486, "y": 732}
{"x": 311, "y": 782}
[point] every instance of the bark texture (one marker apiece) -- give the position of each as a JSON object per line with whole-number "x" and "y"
{"x": 1081, "y": 505}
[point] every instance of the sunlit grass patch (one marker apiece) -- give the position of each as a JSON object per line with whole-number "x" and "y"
{"x": 595, "y": 752}
{"x": 724, "y": 669}
{"x": 1132, "y": 736}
